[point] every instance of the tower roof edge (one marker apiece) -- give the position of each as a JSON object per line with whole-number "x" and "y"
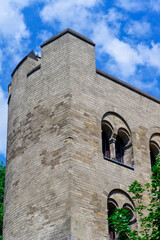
{"x": 31, "y": 55}
{"x": 68, "y": 30}
{"x": 127, "y": 85}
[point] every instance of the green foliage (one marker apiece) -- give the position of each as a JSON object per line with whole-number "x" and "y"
{"x": 150, "y": 222}
{"x": 2, "y": 180}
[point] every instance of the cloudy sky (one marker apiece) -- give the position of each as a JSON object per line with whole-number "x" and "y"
{"x": 126, "y": 33}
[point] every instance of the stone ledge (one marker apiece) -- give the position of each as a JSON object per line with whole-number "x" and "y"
{"x": 34, "y": 69}
{"x": 119, "y": 163}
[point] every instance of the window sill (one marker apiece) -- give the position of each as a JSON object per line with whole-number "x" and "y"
{"x": 119, "y": 163}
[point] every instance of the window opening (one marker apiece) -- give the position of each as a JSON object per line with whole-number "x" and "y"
{"x": 130, "y": 209}
{"x": 154, "y": 151}
{"x": 119, "y": 149}
{"x": 153, "y": 158}
{"x": 111, "y": 209}
{"x": 106, "y": 151}
{"x": 106, "y": 135}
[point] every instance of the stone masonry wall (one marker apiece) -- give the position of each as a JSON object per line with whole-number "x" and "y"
{"x": 57, "y": 181}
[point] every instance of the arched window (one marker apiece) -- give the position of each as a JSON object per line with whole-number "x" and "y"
{"x": 106, "y": 134}
{"x": 132, "y": 215}
{"x": 154, "y": 151}
{"x": 111, "y": 208}
{"x": 119, "y": 149}
{"x": 119, "y": 199}
{"x": 116, "y": 140}
{"x": 105, "y": 140}
{"x": 123, "y": 147}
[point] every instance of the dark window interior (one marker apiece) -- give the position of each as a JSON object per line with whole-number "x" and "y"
{"x": 111, "y": 209}
{"x": 153, "y": 153}
{"x": 119, "y": 149}
{"x": 153, "y": 158}
{"x": 105, "y": 144}
{"x": 106, "y": 134}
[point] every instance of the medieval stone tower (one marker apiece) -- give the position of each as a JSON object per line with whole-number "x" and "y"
{"x": 77, "y": 137}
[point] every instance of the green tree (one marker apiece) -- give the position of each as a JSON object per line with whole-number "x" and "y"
{"x": 2, "y": 180}
{"x": 148, "y": 216}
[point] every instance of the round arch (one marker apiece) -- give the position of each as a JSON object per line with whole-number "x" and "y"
{"x": 110, "y": 108}
{"x": 120, "y": 191}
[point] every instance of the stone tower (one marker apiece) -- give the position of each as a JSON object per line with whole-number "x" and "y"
{"x": 77, "y": 137}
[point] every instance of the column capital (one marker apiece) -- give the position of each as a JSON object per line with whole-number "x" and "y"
{"x": 112, "y": 140}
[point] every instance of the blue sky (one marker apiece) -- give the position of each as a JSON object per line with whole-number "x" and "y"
{"x": 126, "y": 33}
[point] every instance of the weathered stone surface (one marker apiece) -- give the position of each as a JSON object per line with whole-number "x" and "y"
{"x": 57, "y": 181}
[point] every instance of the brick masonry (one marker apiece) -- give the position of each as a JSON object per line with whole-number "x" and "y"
{"x": 57, "y": 181}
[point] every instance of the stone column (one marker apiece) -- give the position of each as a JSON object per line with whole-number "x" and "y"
{"x": 112, "y": 148}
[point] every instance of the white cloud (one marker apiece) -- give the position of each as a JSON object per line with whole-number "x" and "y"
{"x": 131, "y": 5}
{"x": 155, "y": 5}
{"x": 79, "y": 14}
{"x": 114, "y": 18}
{"x": 89, "y": 3}
{"x": 13, "y": 30}
{"x": 150, "y": 56}
{"x": 114, "y": 15}
{"x": 151, "y": 86}
{"x": 3, "y": 122}
{"x": 12, "y": 21}
{"x": 14, "y": 33}
{"x": 43, "y": 35}
{"x": 138, "y": 28}
{"x": 105, "y": 33}
{"x": 102, "y": 35}
{"x": 122, "y": 55}
{"x": 69, "y": 13}
{"x": 139, "y": 5}
{"x": 125, "y": 57}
